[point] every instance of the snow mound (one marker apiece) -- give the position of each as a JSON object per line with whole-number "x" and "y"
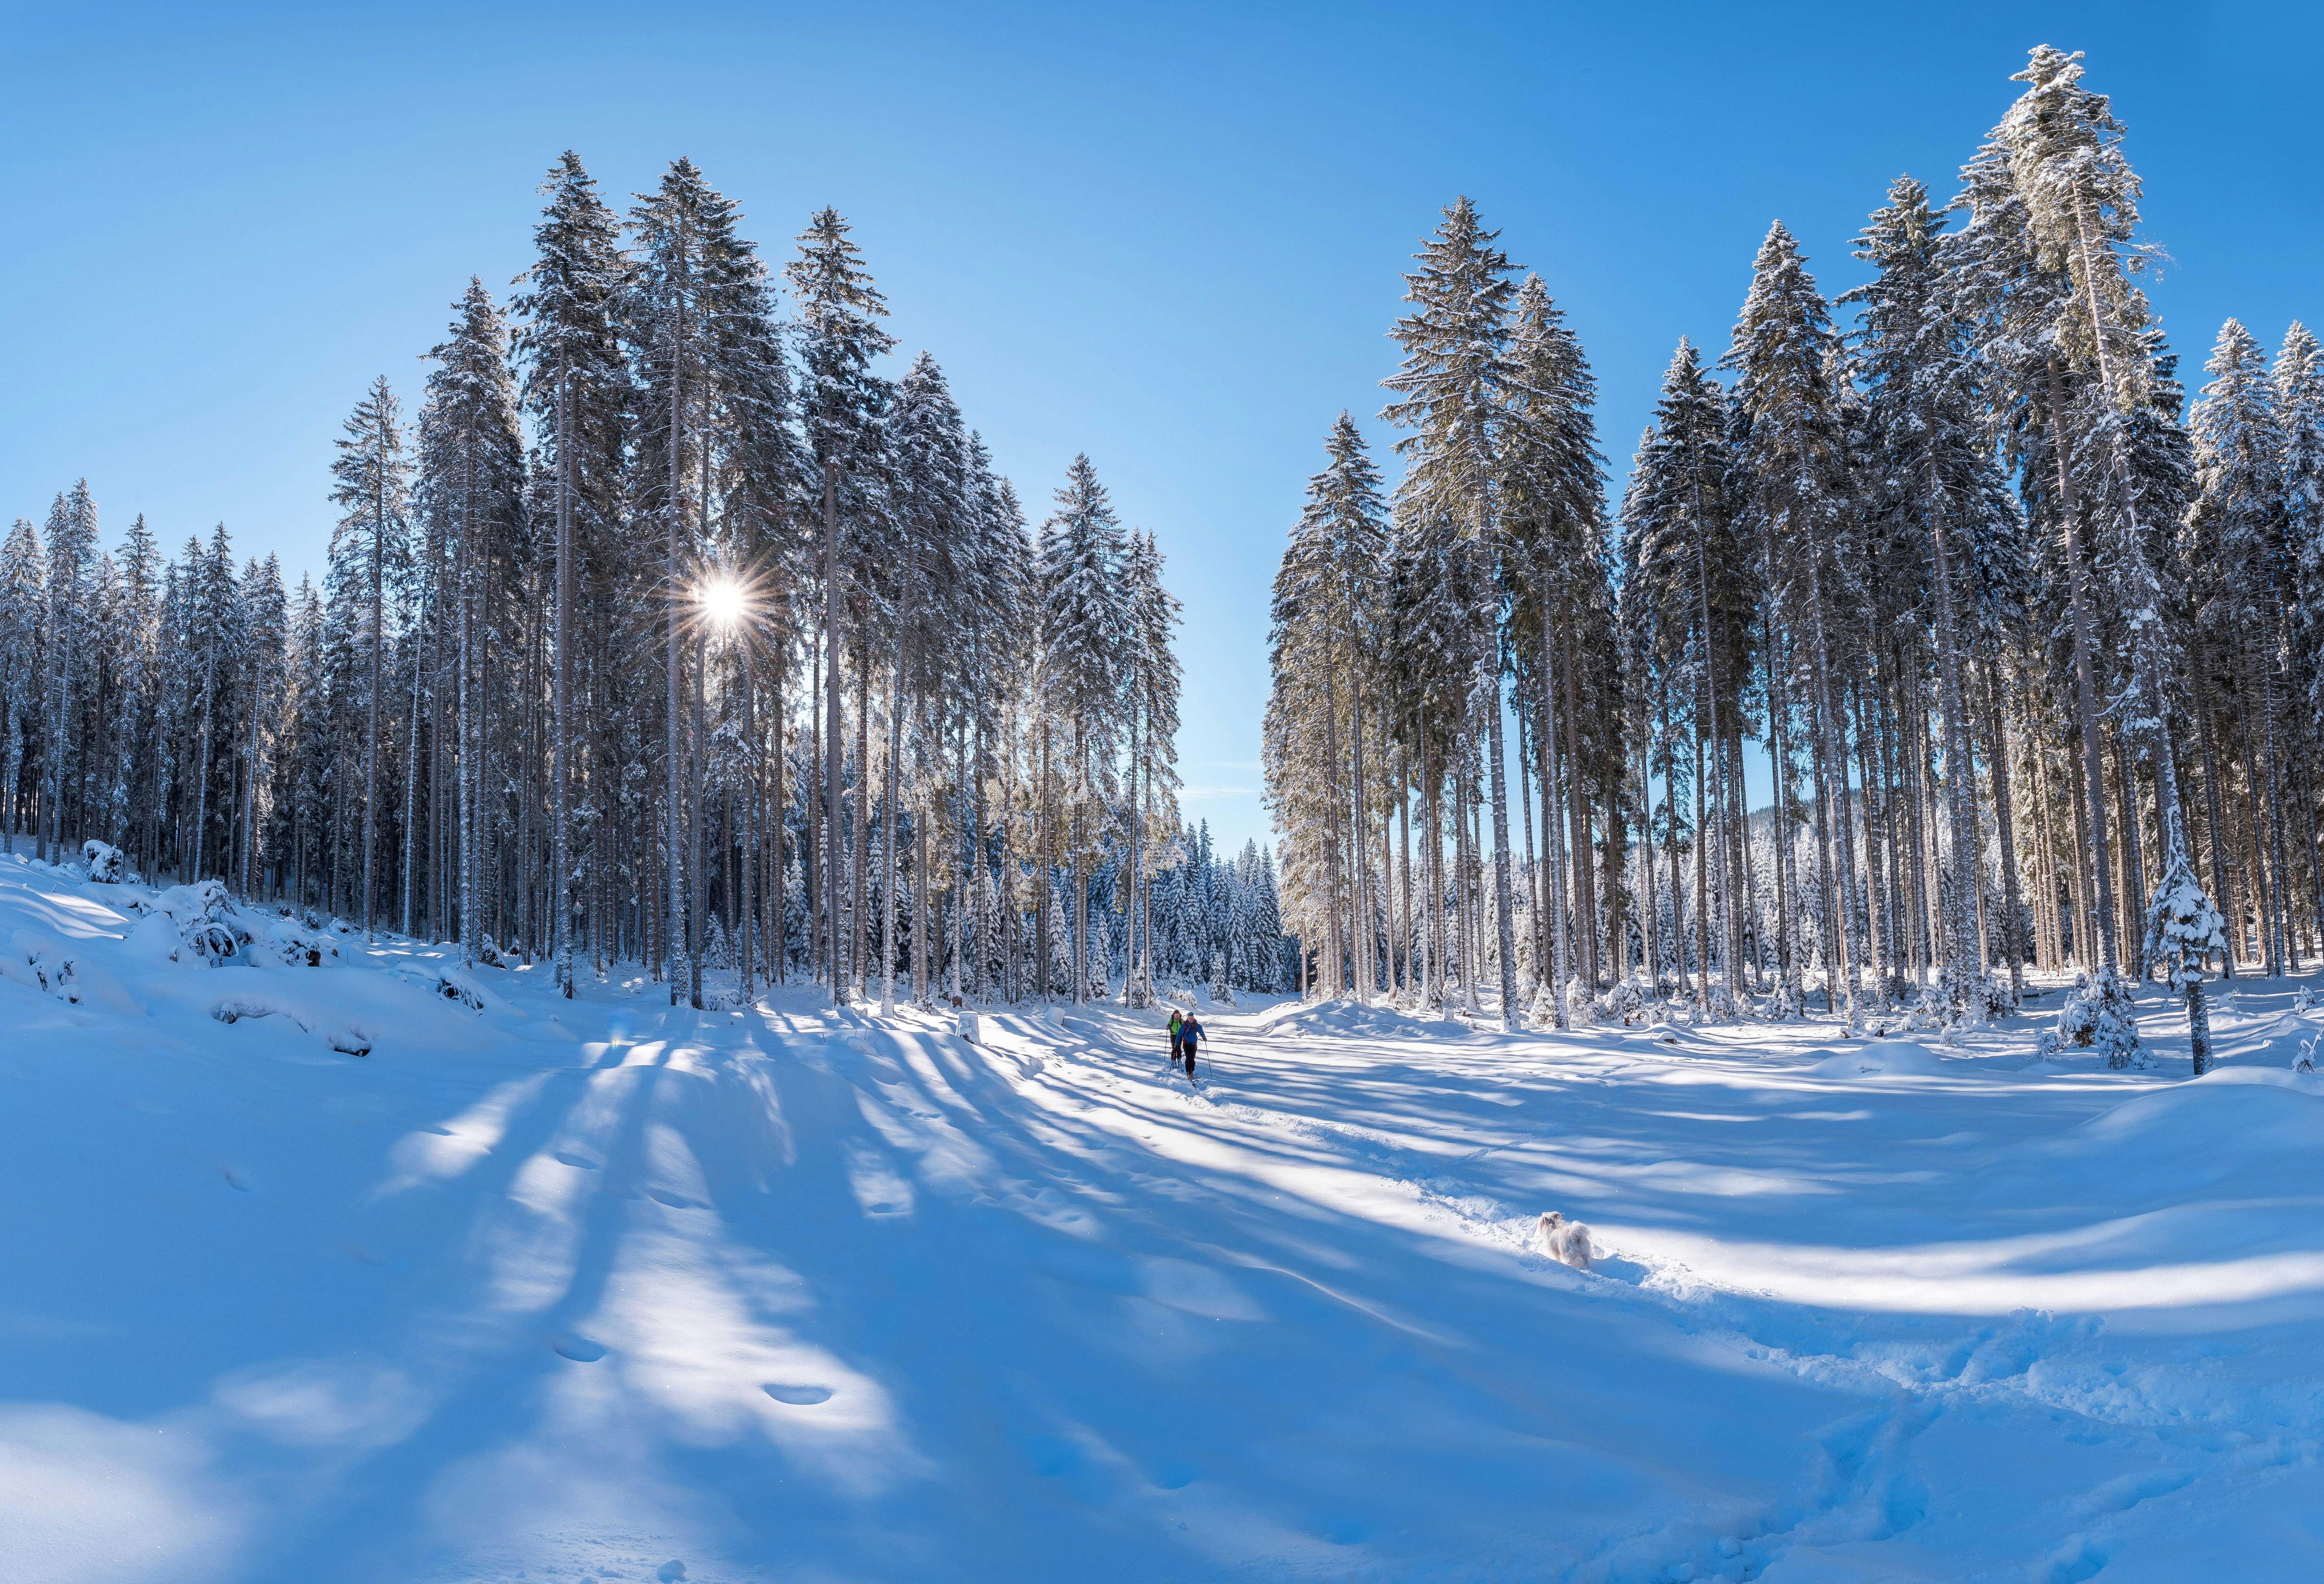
{"x": 1299, "y": 1019}
{"x": 2231, "y": 1115}
{"x": 1881, "y": 1058}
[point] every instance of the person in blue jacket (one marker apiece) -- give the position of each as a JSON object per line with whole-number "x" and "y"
{"x": 1189, "y": 1031}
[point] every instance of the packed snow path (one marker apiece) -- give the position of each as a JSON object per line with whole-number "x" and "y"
{"x": 605, "y": 1289}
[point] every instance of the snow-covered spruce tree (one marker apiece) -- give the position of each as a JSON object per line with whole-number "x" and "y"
{"x": 1553, "y": 512}
{"x": 919, "y": 589}
{"x": 672, "y": 308}
{"x": 1794, "y": 468}
{"x": 369, "y": 548}
{"x": 1453, "y": 385}
{"x": 840, "y": 401}
{"x": 22, "y": 669}
{"x": 260, "y": 672}
{"x": 2242, "y": 516}
{"x": 73, "y": 553}
{"x": 468, "y": 495}
{"x": 1933, "y": 479}
{"x": 2072, "y": 197}
{"x": 2300, "y": 415}
{"x": 214, "y": 638}
{"x": 1150, "y": 683}
{"x": 1687, "y": 590}
{"x": 2018, "y": 300}
{"x": 575, "y": 387}
{"x": 1326, "y": 645}
{"x": 2182, "y": 930}
{"x": 1077, "y": 685}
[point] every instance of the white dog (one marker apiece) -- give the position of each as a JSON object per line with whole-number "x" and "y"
{"x": 1567, "y": 1242}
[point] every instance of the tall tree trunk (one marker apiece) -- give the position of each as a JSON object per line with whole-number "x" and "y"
{"x": 826, "y": 885}
{"x": 2100, "y": 861}
{"x": 1553, "y": 815}
{"x": 560, "y": 882}
{"x": 1497, "y": 781}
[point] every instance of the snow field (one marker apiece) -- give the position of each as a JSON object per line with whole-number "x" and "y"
{"x": 605, "y": 1289}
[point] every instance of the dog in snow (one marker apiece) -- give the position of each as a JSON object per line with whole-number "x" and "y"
{"x": 1567, "y": 1242}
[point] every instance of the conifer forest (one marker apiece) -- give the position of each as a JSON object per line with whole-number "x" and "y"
{"x": 661, "y": 628}
{"x": 2020, "y": 635}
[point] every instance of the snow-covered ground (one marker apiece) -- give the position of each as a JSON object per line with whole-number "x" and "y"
{"x": 603, "y": 1290}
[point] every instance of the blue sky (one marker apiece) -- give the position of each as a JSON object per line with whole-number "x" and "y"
{"x": 1169, "y": 237}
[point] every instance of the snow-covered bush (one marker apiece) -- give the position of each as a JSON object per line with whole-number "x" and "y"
{"x": 448, "y": 983}
{"x": 1625, "y": 1005}
{"x": 2098, "y": 1015}
{"x": 106, "y": 866}
{"x": 2303, "y": 999}
{"x": 1719, "y": 1005}
{"x": 717, "y": 951}
{"x": 251, "y": 1000}
{"x": 294, "y": 945}
{"x": 1221, "y": 989}
{"x": 211, "y": 927}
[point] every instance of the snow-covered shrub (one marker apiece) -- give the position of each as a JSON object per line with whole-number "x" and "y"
{"x": 2303, "y": 999}
{"x": 211, "y": 927}
{"x": 106, "y": 866}
{"x": 717, "y": 951}
{"x": 2098, "y": 1015}
{"x": 448, "y": 983}
{"x": 1625, "y": 1005}
{"x": 294, "y": 945}
{"x": 1719, "y": 1005}
{"x": 1991, "y": 994}
{"x": 255, "y": 1002}
{"x": 1221, "y": 989}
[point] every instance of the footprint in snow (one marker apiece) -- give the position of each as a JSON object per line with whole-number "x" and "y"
{"x": 580, "y": 1350}
{"x": 798, "y": 1396}
{"x": 578, "y": 1161}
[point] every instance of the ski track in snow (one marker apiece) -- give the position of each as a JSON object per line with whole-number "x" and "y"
{"x": 608, "y": 1290}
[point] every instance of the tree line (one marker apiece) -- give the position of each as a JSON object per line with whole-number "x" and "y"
{"x": 674, "y": 629}
{"x": 2026, "y": 643}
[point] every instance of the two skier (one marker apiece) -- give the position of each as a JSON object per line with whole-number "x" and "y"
{"x": 1186, "y": 1028}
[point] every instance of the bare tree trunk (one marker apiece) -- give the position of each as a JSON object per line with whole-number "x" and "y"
{"x": 1551, "y": 829}
{"x": 2085, "y": 681}
{"x": 1498, "y": 783}
{"x": 827, "y": 896}
{"x": 560, "y": 883}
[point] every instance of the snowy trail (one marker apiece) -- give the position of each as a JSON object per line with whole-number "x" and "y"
{"x": 599, "y": 1289}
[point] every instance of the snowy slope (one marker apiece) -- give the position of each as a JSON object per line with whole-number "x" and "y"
{"x": 605, "y": 1289}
